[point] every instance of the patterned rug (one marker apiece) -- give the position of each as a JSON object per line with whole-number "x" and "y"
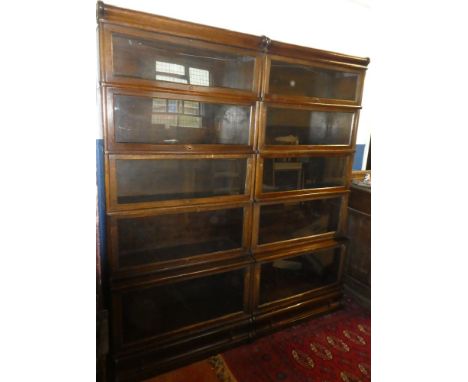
{"x": 333, "y": 348}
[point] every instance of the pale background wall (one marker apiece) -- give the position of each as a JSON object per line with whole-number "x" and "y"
{"x": 336, "y": 25}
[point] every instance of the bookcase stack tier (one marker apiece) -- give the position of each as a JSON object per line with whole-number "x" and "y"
{"x": 228, "y": 162}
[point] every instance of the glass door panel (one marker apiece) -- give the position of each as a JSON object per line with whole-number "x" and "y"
{"x": 303, "y": 173}
{"x": 293, "y": 220}
{"x": 166, "y": 121}
{"x": 181, "y": 62}
{"x": 152, "y": 239}
{"x": 163, "y": 308}
{"x": 307, "y": 127}
{"x": 307, "y": 81}
{"x": 155, "y": 180}
{"x": 291, "y": 276}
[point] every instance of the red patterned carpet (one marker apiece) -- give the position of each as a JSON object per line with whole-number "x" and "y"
{"x": 332, "y": 348}
{"x": 335, "y": 347}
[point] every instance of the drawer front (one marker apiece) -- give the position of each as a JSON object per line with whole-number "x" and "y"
{"x": 144, "y": 242}
{"x": 138, "y": 181}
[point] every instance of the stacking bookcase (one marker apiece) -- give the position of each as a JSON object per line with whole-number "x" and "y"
{"x": 228, "y": 163}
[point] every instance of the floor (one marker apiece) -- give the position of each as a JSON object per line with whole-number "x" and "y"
{"x": 215, "y": 369}
{"x": 202, "y": 371}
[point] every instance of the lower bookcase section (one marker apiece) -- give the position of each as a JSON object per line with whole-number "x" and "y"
{"x": 170, "y": 319}
{"x": 171, "y": 305}
{"x": 157, "y": 359}
{"x": 268, "y": 321}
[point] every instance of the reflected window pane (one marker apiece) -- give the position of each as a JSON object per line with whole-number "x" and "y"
{"x": 306, "y": 127}
{"x": 162, "y": 77}
{"x": 199, "y": 77}
{"x": 301, "y": 80}
{"x": 156, "y": 310}
{"x": 292, "y": 220}
{"x": 149, "y": 180}
{"x": 288, "y": 174}
{"x": 167, "y": 67}
{"x": 292, "y": 276}
{"x": 172, "y": 121}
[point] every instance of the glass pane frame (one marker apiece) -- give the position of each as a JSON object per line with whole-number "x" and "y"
{"x": 257, "y": 247}
{"x": 298, "y": 148}
{"x": 107, "y": 65}
{"x": 110, "y": 123}
{"x": 117, "y": 271}
{"x": 331, "y": 66}
{"x": 289, "y": 254}
{"x": 260, "y": 172}
{"x": 112, "y": 189}
{"x": 191, "y": 329}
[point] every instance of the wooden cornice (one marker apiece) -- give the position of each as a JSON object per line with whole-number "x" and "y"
{"x": 110, "y": 14}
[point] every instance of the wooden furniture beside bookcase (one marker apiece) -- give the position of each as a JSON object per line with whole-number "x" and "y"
{"x": 208, "y": 247}
{"x": 357, "y": 276}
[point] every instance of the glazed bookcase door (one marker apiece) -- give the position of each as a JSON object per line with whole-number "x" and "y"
{"x": 280, "y": 224}
{"x": 145, "y": 241}
{"x": 165, "y": 309}
{"x": 307, "y": 128}
{"x": 169, "y": 122}
{"x": 303, "y": 81}
{"x": 285, "y": 174}
{"x": 157, "y": 60}
{"x": 145, "y": 181}
{"x": 298, "y": 276}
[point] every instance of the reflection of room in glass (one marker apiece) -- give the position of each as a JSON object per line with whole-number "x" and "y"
{"x": 308, "y": 127}
{"x": 176, "y": 121}
{"x": 294, "y": 220}
{"x": 286, "y": 174}
{"x": 150, "y": 239}
{"x": 291, "y": 276}
{"x": 182, "y": 64}
{"x": 150, "y": 180}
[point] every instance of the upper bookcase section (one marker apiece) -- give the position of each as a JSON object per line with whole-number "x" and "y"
{"x": 144, "y": 50}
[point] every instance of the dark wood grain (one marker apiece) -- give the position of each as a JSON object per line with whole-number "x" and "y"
{"x": 357, "y": 277}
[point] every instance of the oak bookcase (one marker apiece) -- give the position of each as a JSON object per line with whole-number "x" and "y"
{"x": 228, "y": 163}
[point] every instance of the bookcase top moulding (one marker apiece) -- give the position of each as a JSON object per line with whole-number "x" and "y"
{"x": 110, "y": 14}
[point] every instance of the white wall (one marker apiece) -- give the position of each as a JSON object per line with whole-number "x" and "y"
{"x": 337, "y": 25}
